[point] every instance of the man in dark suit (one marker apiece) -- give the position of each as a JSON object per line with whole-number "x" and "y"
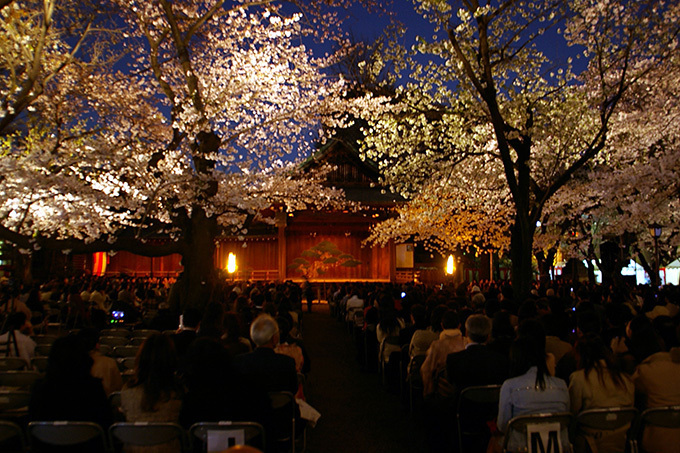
{"x": 264, "y": 368}
{"x": 268, "y": 371}
{"x": 476, "y": 365}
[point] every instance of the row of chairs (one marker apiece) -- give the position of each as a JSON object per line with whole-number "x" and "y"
{"x": 14, "y": 407}
{"x": 483, "y": 400}
{"x": 204, "y": 436}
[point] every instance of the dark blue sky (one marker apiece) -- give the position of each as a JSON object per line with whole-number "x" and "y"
{"x": 367, "y": 26}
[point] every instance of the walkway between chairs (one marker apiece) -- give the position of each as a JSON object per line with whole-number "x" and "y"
{"x": 358, "y": 414}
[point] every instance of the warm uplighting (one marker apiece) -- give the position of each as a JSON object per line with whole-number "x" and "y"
{"x": 231, "y": 263}
{"x": 450, "y": 266}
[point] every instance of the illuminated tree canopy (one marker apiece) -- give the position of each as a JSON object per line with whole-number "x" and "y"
{"x": 128, "y": 120}
{"x": 486, "y": 118}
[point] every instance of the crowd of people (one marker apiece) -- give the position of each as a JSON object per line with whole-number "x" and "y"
{"x": 204, "y": 365}
{"x": 564, "y": 348}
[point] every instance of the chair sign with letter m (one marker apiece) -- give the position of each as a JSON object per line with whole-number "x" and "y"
{"x": 544, "y": 438}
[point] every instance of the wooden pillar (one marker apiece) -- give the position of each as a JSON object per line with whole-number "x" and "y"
{"x": 393, "y": 261}
{"x": 281, "y": 222}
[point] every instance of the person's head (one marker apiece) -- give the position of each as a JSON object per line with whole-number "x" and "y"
{"x": 208, "y": 366}
{"x": 211, "y": 323}
{"x": 232, "y": 325}
{"x": 502, "y": 327}
{"x": 642, "y": 338}
{"x": 478, "y": 328}
{"x": 525, "y": 353}
{"x": 665, "y": 328}
{"x": 191, "y": 318}
{"x": 419, "y": 316}
{"x": 69, "y": 361}
{"x": 592, "y": 353}
{"x": 264, "y": 331}
{"x": 17, "y": 320}
{"x": 533, "y": 329}
{"x": 450, "y": 320}
{"x": 436, "y": 317}
{"x": 155, "y": 366}
{"x": 90, "y": 337}
{"x": 285, "y": 325}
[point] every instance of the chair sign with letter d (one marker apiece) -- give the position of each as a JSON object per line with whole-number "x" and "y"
{"x": 220, "y": 440}
{"x": 544, "y": 438}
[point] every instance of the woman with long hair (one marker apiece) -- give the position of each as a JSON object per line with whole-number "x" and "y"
{"x": 153, "y": 394}
{"x": 69, "y": 392}
{"x": 532, "y": 390}
{"x": 598, "y": 383}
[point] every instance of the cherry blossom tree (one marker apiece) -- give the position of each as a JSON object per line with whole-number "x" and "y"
{"x": 634, "y": 183}
{"x": 190, "y": 127}
{"x": 484, "y": 88}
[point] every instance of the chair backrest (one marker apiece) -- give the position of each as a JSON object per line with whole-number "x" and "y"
{"x": 125, "y": 351}
{"x": 143, "y": 333}
{"x": 18, "y": 380}
{"x": 115, "y": 333}
{"x": 283, "y": 405}
{"x": 226, "y": 434}
{"x": 12, "y": 363}
{"x": 477, "y": 405}
{"x": 65, "y": 433}
{"x": 136, "y": 341}
{"x": 42, "y": 350}
{"x": 523, "y": 424}
{"x": 127, "y": 363}
{"x": 113, "y": 341}
{"x": 14, "y": 403}
{"x": 106, "y": 350}
{"x": 665, "y": 417}
{"x": 8, "y": 431}
{"x": 607, "y": 419}
{"x": 144, "y": 434}
{"x": 39, "y": 364}
{"x": 44, "y": 339}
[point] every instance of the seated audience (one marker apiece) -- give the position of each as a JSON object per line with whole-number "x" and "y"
{"x": 232, "y": 340}
{"x": 70, "y": 392}
{"x": 103, "y": 367}
{"x": 477, "y": 364}
{"x": 656, "y": 379}
{"x": 433, "y": 369}
{"x": 14, "y": 342}
{"x": 214, "y": 391}
{"x": 598, "y": 383}
{"x": 267, "y": 370}
{"x": 153, "y": 394}
{"x": 388, "y": 329}
{"x": 532, "y": 390}
{"x": 424, "y": 334}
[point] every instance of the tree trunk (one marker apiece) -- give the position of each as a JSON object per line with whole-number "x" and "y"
{"x": 196, "y": 286}
{"x": 521, "y": 252}
{"x": 610, "y": 262}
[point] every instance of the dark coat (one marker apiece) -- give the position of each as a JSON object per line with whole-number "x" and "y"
{"x": 267, "y": 370}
